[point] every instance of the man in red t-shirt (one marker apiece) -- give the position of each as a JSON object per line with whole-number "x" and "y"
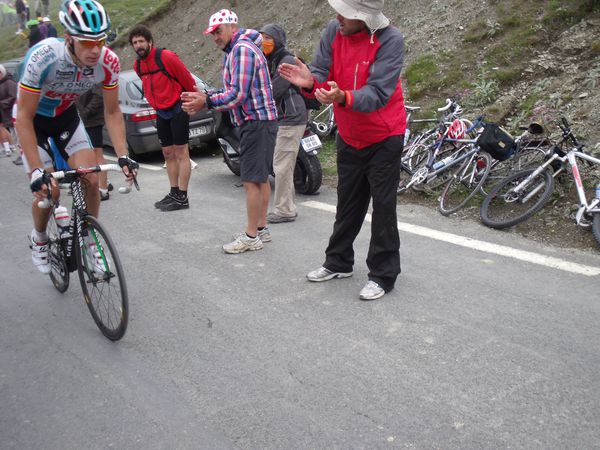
{"x": 163, "y": 91}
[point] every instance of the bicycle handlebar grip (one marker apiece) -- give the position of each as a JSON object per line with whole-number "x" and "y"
{"x": 448, "y": 104}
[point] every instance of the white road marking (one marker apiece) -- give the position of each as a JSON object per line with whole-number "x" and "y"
{"x": 482, "y": 246}
{"x": 143, "y": 166}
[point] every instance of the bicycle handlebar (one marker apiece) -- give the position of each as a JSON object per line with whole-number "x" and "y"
{"x": 447, "y": 107}
{"x": 60, "y": 174}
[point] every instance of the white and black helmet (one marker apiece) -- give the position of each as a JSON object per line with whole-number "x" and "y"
{"x": 85, "y": 18}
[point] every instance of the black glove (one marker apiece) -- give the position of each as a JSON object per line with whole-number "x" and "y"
{"x": 130, "y": 163}
{"x": 38, "y": 179}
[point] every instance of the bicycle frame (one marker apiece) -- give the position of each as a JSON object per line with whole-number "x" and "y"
{"x": 571, "y": 158}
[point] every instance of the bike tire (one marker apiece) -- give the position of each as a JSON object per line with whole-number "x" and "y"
{"x": 308, "y": 173}
{"x": 59, "y": 270}
{"x": 596, "y": 226}
{"x": 105, "y": 296}
{"x": 465, "y": 183}
{"x": 502, "y": 209}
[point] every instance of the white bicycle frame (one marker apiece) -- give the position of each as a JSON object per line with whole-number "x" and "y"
{"x": 571, "y": 157}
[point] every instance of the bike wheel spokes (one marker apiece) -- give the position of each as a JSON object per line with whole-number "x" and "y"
{"x": 465, "y": 183}
{"x": 503, "y": 207}
{"x": 102, "y": 280}
{"x": 59, "y": 272}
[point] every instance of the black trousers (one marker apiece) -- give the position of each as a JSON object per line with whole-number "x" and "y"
{"x": 369, "y": 173}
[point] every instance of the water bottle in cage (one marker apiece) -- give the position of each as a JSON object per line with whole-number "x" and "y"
{"x": 62, "y": 217}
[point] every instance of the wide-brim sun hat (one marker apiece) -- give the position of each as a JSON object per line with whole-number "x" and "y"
{"x": 221, "y": 17}
{"x": 369, "y": 11}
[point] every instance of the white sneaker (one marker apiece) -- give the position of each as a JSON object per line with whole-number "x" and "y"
{"x": 39, "y": 255}
{"x": 323, "y": 274}
{"x": 243, "y": 243}
{"x": 94, "y": 257}
{"x": 371, "y": 291}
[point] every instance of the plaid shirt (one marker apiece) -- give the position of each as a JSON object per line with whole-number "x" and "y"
{"x": 247, "y": 92}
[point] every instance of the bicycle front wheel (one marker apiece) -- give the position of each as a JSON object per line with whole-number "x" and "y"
{"x": 59, "y": 271}
{"x": 465, "y": 183}
{"x": 102, "y": 279}
{"x": 503, "y": 207}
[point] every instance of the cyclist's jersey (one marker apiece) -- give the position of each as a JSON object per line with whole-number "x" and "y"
{"x": 49, "y": 70}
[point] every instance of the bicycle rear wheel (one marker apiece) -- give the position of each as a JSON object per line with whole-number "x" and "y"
{"x": 503, "y": 208}
{"x": 59, "y": 271}
{"x": 102, "y": 279}
{"x": 465, "y": 183}
{"x": 596, "y": 227}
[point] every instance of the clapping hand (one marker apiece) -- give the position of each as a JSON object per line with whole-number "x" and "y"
{"x": 192, "y": 102}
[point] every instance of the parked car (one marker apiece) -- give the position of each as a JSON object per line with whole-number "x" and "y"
{"x": 140, "y": 118}
{"x": 12, "y": 66}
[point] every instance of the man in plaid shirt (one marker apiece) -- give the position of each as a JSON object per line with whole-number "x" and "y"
{"x": 247, "y": 95}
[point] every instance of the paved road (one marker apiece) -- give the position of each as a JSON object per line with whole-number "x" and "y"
{"x": 472, "y": 350}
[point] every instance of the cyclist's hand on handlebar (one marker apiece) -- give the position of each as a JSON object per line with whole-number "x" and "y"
{"x": 39, "y": 183}
{"x": 129, "y": 166}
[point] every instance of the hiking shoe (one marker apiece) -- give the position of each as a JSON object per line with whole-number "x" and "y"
{"x": 276, "y": 218}
{"x": 323, "y": 274}
{"x": 39, "y": 255}
{"x": 243, "y": 243}
{"x": 371, "y": 291}
{"x": 166, "y": 199}
{"x": 94, "y": 258}
{"x": 175, "y": 204}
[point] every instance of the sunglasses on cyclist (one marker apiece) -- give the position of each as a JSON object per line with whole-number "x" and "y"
{"x": 90, "y": 43}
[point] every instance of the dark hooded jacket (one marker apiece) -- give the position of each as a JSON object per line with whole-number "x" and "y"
{"x": 8, "y": 96}
{"x": 291, "y": 109}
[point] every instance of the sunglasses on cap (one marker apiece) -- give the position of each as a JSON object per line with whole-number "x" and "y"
{"x": 90, "y": 43}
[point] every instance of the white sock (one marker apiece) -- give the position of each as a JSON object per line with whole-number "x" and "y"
{"x": 6, "y": 147}
{"x": 39, "y": 236}
{"x": 103, "y": 191}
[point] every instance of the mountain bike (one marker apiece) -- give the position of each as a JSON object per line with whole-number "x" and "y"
{"x": 85, "y": 245}
{"x": 521, "y": 195}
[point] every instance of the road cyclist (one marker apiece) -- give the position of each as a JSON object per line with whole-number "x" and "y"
{"x": 55, "y": 73}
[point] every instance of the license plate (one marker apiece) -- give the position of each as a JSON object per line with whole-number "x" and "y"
{"x": 198, "y": 131}
{"x": 311, "y": 142}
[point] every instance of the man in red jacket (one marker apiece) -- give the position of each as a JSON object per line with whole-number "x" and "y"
{"x": 163, "y": 89}
{"x": 357, "y": 68}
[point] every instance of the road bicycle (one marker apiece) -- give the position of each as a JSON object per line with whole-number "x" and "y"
{"x": 419, "y": 147}
{"x": 85, "y": 245}
{"x": 521, "y": 195}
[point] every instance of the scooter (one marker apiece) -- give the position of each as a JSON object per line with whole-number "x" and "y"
{"x": 308, "y": 173}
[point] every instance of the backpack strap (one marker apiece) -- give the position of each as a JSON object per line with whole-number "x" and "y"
{"x": 159, "y": 63}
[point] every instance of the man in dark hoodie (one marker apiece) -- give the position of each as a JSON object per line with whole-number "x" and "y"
{"x": 8, "y": 95}
{"x": 292, "y": 119}
{"x": 248, "y": 96}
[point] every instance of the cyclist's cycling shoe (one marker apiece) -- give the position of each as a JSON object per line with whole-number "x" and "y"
{"x": 39, "y": 255}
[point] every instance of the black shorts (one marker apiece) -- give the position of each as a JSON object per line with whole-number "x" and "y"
{"x": 95, "y": 135}
{"x": 257, "y": 145}
{"x": 174, "y": 130}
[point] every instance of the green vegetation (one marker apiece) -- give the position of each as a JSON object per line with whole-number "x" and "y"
{"x": 123, "y": 14}
{"x": 327, "y": 156}
{"x": 423, "y": 76}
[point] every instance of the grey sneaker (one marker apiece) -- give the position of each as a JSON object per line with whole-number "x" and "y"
{"x": 243, "y": 243}
{"x": 276, "y": 218}
{"x": 371, "y": 291}
{"x": 264, "y": 235}
{"x": 323, "y": 274}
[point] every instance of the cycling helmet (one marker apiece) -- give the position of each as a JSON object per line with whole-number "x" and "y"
{"x": 86, "y": 18}
{"x": 457, "y": 129}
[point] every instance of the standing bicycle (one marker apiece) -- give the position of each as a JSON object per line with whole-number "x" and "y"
{"x": 78, "y": 241}
{"x": 519, "y": 196}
